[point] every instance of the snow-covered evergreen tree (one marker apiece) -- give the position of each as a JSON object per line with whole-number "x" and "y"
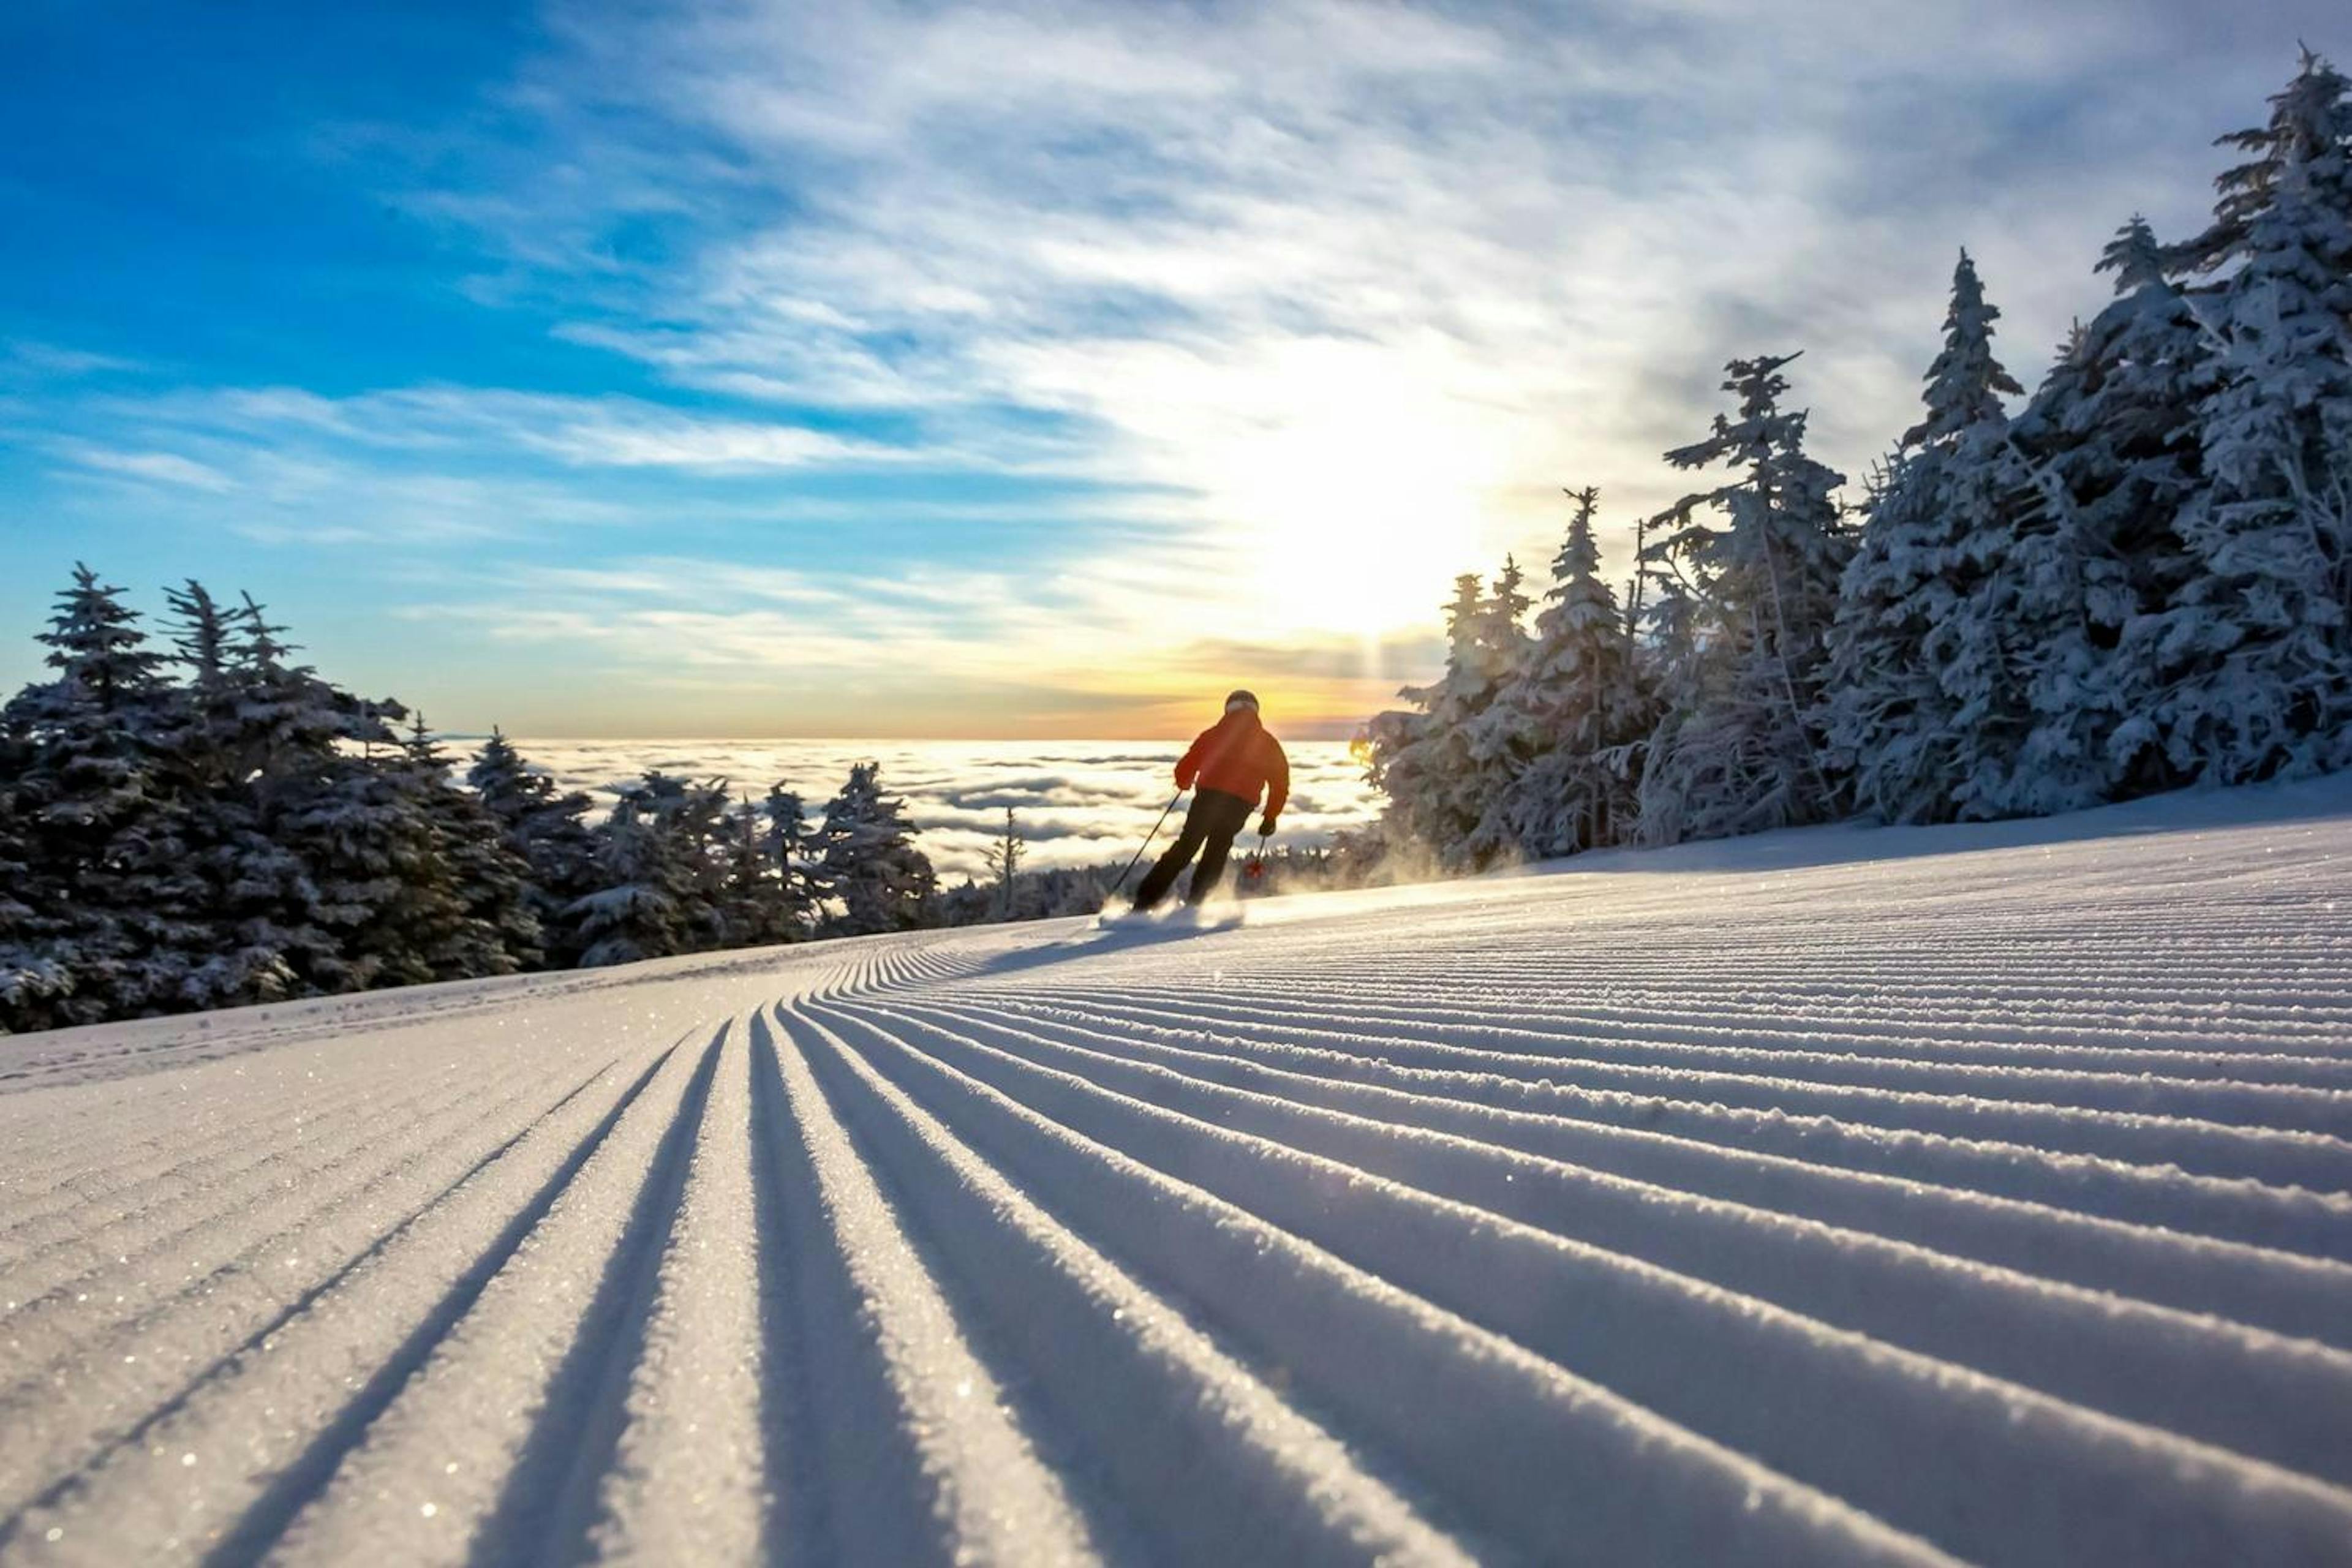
{"x": 101, "y": 657}
{"x": 114, "y": 904}
{"x": 1966, "y": 383}
{"x": 466, "y": 908}
{"x": 1447, "y": 763}
{"x": 1961, "y": 675}
{"x": 317, "y": 878}
{"x": 2013, "y": 662}
{"x": 2109, "y": 439}
{"x": 695, "y": 814}
{"x": 1499, "y": 740}
{"x": 1576, "y": 699}
{"x": 2016, "y": 654}
{"x": 202, "y": 639}
{"x": 2306, "y": 131}
{"x": 1887, "y": 720}
{"x": 767, "y": 896}
{"x": 1665, "y": 633}
{"x": 867, "y": 862}
{"x": 32, "y": 977}
{"x": 752, "y": 888}
{"x": 213, "y": 772}
{"x": 1743, "y": 754}
{"x": 661, "y": 860}
{"x": 640, "y": 911}
{"x": 549, "y": 830}
{"x": 785, "y": 839}
{"x": 510, "y": 788}
{"x": 1418, "y": 757}
{"x": 2265, "y": 627}
{"x": 1503, "y": 629}
{"x": 364, "y": 868}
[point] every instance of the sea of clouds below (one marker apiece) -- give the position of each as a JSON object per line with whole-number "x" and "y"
{"x": 1080, "y": 802}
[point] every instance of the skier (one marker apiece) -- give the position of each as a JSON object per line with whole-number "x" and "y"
{"x": 1232, "y": 761}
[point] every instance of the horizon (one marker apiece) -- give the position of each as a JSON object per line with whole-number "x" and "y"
{"x": 993, "y": 373}
{"x": 682, "y": 738}
{"x": 1078, "y": 802}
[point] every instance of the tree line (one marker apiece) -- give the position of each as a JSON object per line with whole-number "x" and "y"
{"x": 208, "y": 822}
{"x": 2141, "y": 580}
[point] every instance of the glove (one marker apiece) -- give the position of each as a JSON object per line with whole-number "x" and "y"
{"x": 1266, "y": 828}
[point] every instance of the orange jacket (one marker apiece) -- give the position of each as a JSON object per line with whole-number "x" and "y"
{"x": 1236, "y": 755}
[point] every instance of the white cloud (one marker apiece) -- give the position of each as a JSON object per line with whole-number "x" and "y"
{"x": 929, "y": 624}
{"x": 582, "y": 432}
{"x": 1379, "y": 274}
{"x": 29, "y": 356}
{"x": 158, "y": 468}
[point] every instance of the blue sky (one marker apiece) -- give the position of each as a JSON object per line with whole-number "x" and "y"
{"x": 765, "y": 368}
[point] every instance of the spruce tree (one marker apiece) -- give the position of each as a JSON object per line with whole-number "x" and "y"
{"x": 1665, "y": 633}
{"x": 696, "y": 814}
{"x": 1498, "y": 740}
{"x": 642, "y": 908}
{"x": 32, "y": 978}
{"x": 767, "y": 899}
{"x": 99, "y": 651}
{"x": 212, "y": 770}
{"x": 467, "y": 911}
{"x": 2110, "y": 436}
{"x": 1889, "y": 717}
{"x": 2266, "y": 625}
{"x": 1966, "y": 383}
{"x": 549, "y": 830}
{"x": 867, "y": 861}
{"x": 1577, "y": 697}
{"x": 2017, "y": 654}
{"x": 752, "y": 889}
{"x": 2012, "y": 658}
{"x": 1960, "y": 670}
{"x": 364, "y": 865}
{"x": 200, "y": 641}
{"x": 111, "y": 898}
{"x": 323, "y": 877}
{"x": 1744, "y": 754}
{"x": 1886, "y": 717}
{"x": 785, "y": 838}
{"x": 662, "y": 863}
{"x": 2307, "y": 132}
{"x": 1422, "y": 757}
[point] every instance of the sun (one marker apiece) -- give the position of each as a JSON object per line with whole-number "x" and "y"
{"x": 1359, "y": 511}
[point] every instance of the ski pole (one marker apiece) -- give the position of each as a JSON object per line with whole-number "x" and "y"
{"x": 1122, "y": 886}
{"x": 1254, "y": 868}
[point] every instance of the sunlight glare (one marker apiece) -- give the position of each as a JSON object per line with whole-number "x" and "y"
{"x": 1363, "y": 500}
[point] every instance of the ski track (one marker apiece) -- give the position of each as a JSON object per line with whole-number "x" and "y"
{"x": 1978, "y": 1195}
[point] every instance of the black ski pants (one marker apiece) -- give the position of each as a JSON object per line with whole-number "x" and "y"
{"x": 1209, "y": 829}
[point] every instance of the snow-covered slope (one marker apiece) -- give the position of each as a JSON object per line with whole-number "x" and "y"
{"x": 1825, "y": 1197}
